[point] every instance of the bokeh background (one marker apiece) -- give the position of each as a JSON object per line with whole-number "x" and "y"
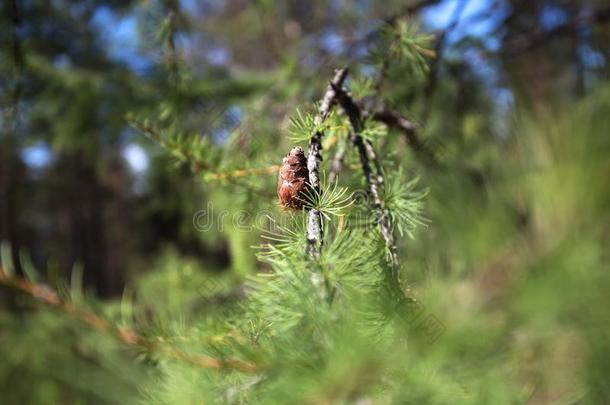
{"x": 514, "y": 108}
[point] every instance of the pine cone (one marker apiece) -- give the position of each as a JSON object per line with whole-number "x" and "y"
{"x": 292, "y": 181}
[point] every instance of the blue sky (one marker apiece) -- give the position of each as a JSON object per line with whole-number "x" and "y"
{"x": 119, "y": 34}
{"x": 478, "y": 19}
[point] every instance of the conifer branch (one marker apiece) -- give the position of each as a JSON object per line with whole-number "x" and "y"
{"x": 179, "y": 151}
{"x": 242, "y": 173}
{"x": 124, "y": 335}
{"x": 374, "y": 177}
{"x": 380, "y": 112}
{"x": 198, "y": 166}
{"x": 314, "y": 158}
{"x": 394, "y": 119}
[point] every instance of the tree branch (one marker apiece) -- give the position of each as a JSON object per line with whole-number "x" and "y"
{"x": 394, "y": 119}
{"x": 374, "y": 177}
{"x": 314, "y": 219}
{"x": 124, "y": 335}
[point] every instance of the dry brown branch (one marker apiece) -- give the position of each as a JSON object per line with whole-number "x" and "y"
{"x": 124, "y": 335}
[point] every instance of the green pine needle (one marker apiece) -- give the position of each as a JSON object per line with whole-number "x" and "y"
{"x": 330, "y": 200}
{"x": 373, "y": 130}
{"x": 303, "y": 125}
{"x": 404, "y": 204}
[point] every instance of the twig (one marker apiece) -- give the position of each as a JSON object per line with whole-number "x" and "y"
{"x": 123, "y": 334}
{"x": 406, "y": 12}
{"x": 337, "y": 163}
{"x": 394, "y": 119}
{"x": 174, "y": 148}
{"x": 314, "y": 218}
{"x": 198, "y": 166}
{"x": 380, "y": 112}
{"x": 374, "y": 177}
{"x": 242, "y": 173}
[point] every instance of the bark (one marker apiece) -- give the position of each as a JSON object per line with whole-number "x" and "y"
{"x": 314, "y": 159}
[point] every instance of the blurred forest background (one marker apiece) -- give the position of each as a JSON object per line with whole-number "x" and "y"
{"x": 510, "y": 134}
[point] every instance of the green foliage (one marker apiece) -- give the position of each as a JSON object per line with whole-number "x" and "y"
{"x": 404, "y": 203}
{"x": 186, "y": 148}
{"x": 373, "y": 130}
{"x": 506, "y": 260}
{"x": 407, "y": 44}
{"x": 330, "y": 200}
{"x": 362, "y": 87}
{"x": 303, "y": 125}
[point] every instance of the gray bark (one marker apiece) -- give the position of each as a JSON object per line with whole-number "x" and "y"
{"x": 314, "y": 158}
